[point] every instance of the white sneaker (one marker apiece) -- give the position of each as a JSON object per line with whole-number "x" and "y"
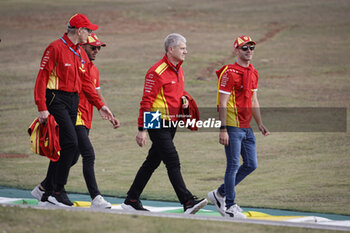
{"x": 218, "y": 201}
{"x": 37, "y": 193}
{"x": 194, "y": 205}
{"x": 233, "y": 212}
{"x": 100, "y": 202}
{"x": 239, "y": 208}
{"x": 46, "y": 204}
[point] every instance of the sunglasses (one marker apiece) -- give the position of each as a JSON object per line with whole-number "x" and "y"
{"x": 93, "y": 48}
{"x": 246, "y": 47}
{"x": 88, "y": 30}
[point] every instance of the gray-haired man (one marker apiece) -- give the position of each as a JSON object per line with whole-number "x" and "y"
{"x": 164, "y": 93}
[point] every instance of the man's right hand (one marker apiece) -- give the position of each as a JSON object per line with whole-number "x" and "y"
{"x": 115, "y": 123}
{"x": 141, "y": 138}
{"x": 224, "y": 138}
{"x": 106, "y": 114}
{"x": 42, "y": 116}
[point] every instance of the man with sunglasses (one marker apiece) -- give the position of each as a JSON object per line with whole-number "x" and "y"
{"x": 61, "y": 77}
{"x": 237, "y": 102}
{"x": 83, "y": 125}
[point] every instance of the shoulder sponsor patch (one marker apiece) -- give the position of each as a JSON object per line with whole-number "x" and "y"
{"x": 224, "y": 79}
{"x": 45, "y": 59}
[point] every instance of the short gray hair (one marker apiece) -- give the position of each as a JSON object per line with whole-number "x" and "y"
{"x": 173, "y": 40}
{"x": 70, "y": 29}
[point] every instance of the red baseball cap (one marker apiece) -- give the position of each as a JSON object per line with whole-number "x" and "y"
{"x": 81, "y": 21}
{"x": 242, "y": 40}
{"x": 94, "y": 41}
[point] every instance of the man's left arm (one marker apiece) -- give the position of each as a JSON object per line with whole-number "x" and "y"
{"x": 257, "y": 115}
{"x": 92, "y": 96}
{"x": 99, "y": 93}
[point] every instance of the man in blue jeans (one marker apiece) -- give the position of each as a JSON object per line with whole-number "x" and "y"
{"x": 238, "y": 102}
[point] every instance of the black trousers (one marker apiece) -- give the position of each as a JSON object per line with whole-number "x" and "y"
{"x": 64, "y": 107}
{"x": 162, "y": 149}
{"x": 87, "y": 153}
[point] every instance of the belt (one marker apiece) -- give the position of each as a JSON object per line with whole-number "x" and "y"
{"x": 59, "y": 92}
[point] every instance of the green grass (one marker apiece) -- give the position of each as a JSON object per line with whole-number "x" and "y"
{"x": 302, "y": 61}
{"x": 15, "y": 219}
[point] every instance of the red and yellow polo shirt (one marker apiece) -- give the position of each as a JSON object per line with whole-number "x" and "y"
{"x": 239, "y": 107}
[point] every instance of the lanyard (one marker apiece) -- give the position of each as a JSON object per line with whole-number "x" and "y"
{"x": 81, "y": 59}
{"x": 177, "y": 72}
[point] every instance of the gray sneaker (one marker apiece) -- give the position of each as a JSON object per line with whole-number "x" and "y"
{"x": 218, "y": 201}
{"x": 239, "y": 208}
{"x": 37, "y": 192}
{"x": 234, "y": 212}
{"x": 100, "y": 203}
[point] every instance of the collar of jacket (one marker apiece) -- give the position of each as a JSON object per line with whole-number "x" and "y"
{"x": 69, "y": 42}
{"x": 177, "y": 67}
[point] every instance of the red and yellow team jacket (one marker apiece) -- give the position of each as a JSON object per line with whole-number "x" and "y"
{"x": 86, "y": 110}
{"x": 239, "y": 107}
{"x": 163, "y": 89}
{"x": 44, "y": 138}
{"x": 61, "y": 69}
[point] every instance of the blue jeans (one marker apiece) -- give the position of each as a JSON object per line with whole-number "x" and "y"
{"x": 241, "y": 142}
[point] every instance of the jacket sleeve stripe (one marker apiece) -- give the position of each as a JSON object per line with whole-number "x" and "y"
{"x": 217, "y": 95}
{"x": 160, "y": 69}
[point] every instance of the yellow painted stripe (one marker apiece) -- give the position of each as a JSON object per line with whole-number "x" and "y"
{"x": 87, "y": 204}
{"x": 82, "y": 204}
{"x": 160, "y": 69}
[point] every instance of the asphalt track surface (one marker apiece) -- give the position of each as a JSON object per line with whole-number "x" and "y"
{"x": 19, "y": 193}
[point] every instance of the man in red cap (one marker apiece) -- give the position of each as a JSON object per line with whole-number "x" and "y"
{"x": 83, "y": 126}
{"x": 61, "y": 77}
{"x": 238, "y": 102}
